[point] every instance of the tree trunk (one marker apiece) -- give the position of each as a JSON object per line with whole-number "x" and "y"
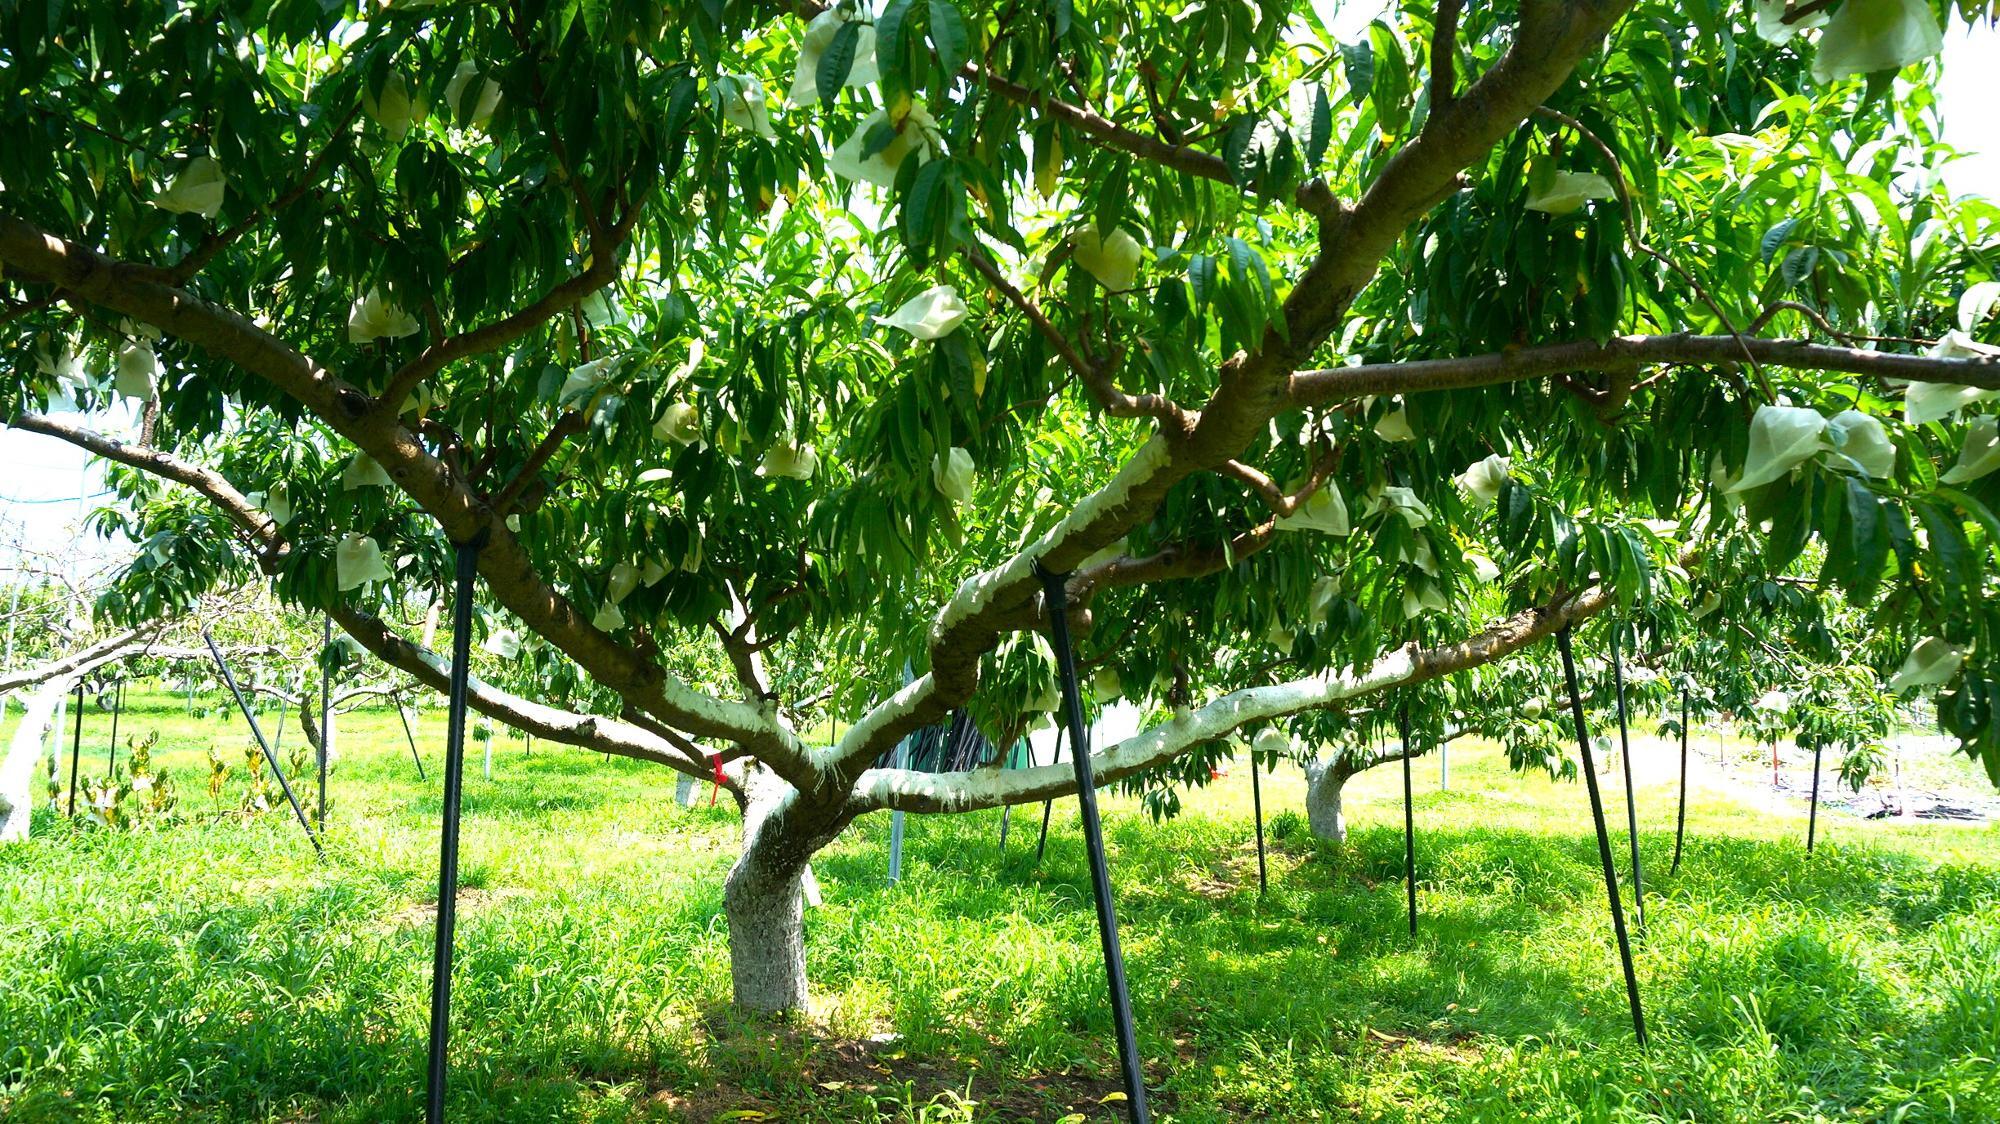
{"x": 767, "y": 937}
{"x": 17, "y": 771}
{"x": 1324, "y": 781}
{"x": 767, "y": 948}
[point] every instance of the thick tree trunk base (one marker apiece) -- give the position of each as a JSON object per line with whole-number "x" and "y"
{"x": 767, "y": 946}
{"x": 1323, "y": 790}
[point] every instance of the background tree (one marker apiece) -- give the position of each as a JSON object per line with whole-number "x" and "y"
{"x": 1323, "y": 368}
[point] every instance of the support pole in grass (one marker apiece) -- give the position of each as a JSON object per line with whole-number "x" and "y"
{"x": 1631, "y": 806}
{"x": 1603, "y": 836}
{"x": 278, "y": 739}
{"x": 1057, "y": 596}
{"x": 1257, "y": 807}
{"x": 325, "y": 714}
{"x": 75, "y": 746}
{"x": 1006, "y": 761}
{"x": 1409, "y": 822}
{"x": 1444, "y": 767}
{"x": 117, "y": 706}
{"x": 256, "y": 731}
{"x": 896, "y": 820}
{"x": 1681, "y": 817}
{"x": 1812, "y": 810}
{"x": 454, "y": 783}
{"x": 410, "y": 737}
{"x": 1048, "y": 806}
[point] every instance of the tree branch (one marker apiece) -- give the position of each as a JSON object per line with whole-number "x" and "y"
{"x": 1624, "y": 192}
{"x": 1097, "y": 378}
{"x": 585, "y": 730}
{"x": 909, "y": 791}
{"x": 111, "y": 649}
{"x": 600, "y": 270}
{"x": 215, "y": 242}
{"x": 1444, "y": 52}
{"x": 1626, "y": 353}
{"x": 434, "y": 486}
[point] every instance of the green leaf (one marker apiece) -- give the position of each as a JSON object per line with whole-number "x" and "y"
{"x": 889, "y": 28}
{"x": 1798, "y": 265}
{"x": 1868, "y": 538}
{"x": 1321, "y": 131}
{"x": 837, "y": 62}
{"x": 1236, "y": 151}
{"x": 1358, "y": 60}
{"x": 1767, "y": 246}
{"x": 950, "y": 37}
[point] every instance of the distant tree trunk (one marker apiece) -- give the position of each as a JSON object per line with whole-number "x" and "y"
{"x": 17, "y": 771}
{"x": 1326, "y": 779}
{"x": 1324, "y": 782}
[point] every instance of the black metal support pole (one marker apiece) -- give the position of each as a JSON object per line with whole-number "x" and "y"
{"x": 1409, "y": 823}
{"x": 1812, "y": 810}
{"x": 325, "y": 714}
{"x": 75, "y": 746}
{"x": 1631, "y": 805}
{"x": 412, "y": 739}
{"x": 454, "y": 783}
{"x": 1057, "y": 596}
{"x": 1048, "y": 806}
{"x": 1257, "y": 806}
{"x": 1603, "y": 837}
{"x": 270, "y": 758}
{"x": 117, "y": 707}
{"x": 278, "y": 739}
{"x": 1681, "y": 817}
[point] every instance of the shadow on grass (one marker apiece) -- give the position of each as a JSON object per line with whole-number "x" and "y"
{"x": 592, "y": 996}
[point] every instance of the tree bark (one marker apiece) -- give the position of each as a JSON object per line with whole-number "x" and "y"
{"x": 1324, "y": 782}
{"x": 17, "y": 772}
{"x": 764, "y": 894}
{"x": 767, "y": 940}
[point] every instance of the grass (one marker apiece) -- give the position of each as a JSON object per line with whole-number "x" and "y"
{"x": 212, "y": 970}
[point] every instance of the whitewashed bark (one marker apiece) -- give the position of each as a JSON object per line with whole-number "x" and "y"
{"x": 17, "y": 772}
{"x": 767, "y": 937}
{"x": 1324, "y": 785}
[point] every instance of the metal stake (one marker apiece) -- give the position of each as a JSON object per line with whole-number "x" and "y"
{"x": 1681, "y": 818}
{"x": 1257, "y": 806}
{"x": 1812, "y": 811}
{"x": 1603, "y": 837}
{"x": 412, "y": 739}
{"x": 1444, "y": 767}
{"x": 896, "y": 820}
{"x": 1409, "y": 823}
{"x": 1409, "y": 819}
{"x": 1631, "y": 806}
{"x": 278, "y": 739}
{"x": 75, "y": 747}
{"x": 1057, "y": 598}
{"x": 325, "y": 714}
{"x": 1048, "y": 806}
{"x": 270, "y": 758}
{"x": 454, "y": 783}
{"x": 117, "y": 707}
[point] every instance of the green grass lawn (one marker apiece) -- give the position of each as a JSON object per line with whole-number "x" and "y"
{"x": 212, "y": 970}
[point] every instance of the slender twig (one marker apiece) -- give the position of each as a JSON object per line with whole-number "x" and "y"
{"x": 1639, "y": 243}
{"x": 1096, "y": 376}
{"x": 1814, "y": 314}
{"x": 510, "y": 493}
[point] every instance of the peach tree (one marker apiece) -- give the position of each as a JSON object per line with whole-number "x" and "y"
{"x": 771, "y": 348}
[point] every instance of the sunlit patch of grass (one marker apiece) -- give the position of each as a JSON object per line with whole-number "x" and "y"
{"x": 212, "y": 970}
